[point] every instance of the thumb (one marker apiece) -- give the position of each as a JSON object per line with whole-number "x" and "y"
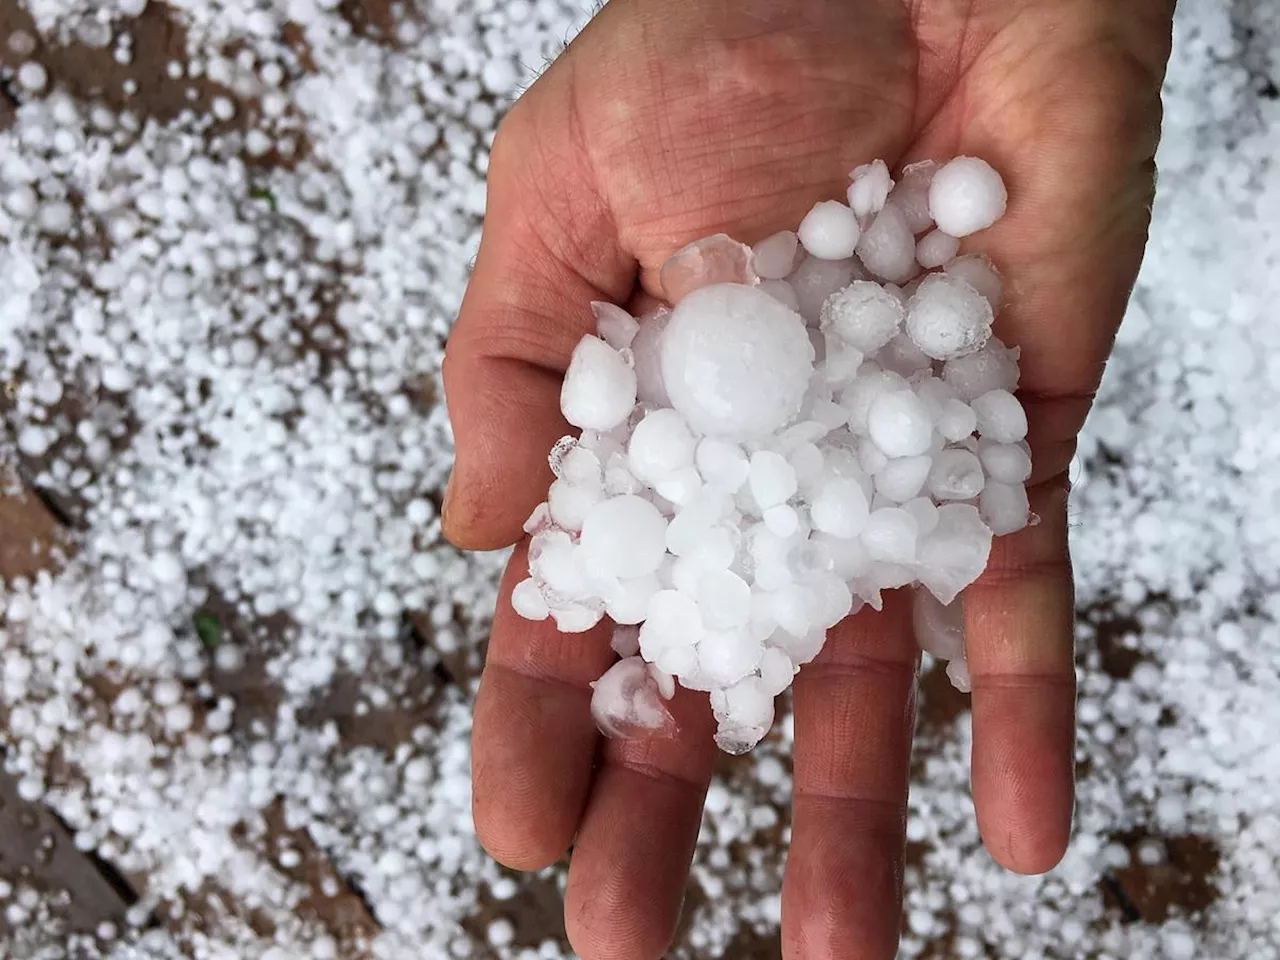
{"x": 548, "y": 249}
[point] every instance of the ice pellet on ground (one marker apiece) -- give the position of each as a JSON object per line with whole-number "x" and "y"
{"x": 869, "y": 189}
{"x": 774, "y": 257}
{"x": 966, "y": 196}
{"x": 947, "y": 318}
{"x": 830, "y": 231}
{"x": 32, "y": 76}
{"x": 34, "y": 440}
{"x": 599, "y": 387}
{"x": 735, "y": 362}
{"x": 756, "y": 480}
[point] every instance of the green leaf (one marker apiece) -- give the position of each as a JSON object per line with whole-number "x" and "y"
{"x": 208, "y": 630}
{"x": 262, "y": 193}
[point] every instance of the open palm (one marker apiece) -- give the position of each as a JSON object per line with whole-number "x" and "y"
{"x": 666, "y": 121}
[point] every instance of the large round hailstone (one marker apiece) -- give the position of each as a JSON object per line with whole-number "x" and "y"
{"x": 624, "y": 537}
{"x": 947, "y": 318}
{"x": 966, "y": 195}
{"x": 599, "y": 388}
{"x": 736, "y": 363}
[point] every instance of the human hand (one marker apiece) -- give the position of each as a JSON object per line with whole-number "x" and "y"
{"x": 669, "y": 120}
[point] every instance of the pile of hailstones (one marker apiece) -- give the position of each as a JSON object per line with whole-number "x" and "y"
{"x": 810, "y": 422}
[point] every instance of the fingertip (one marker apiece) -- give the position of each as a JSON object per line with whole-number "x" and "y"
{"x": 1019, "y": 851}
{"x": 1032, "y": 863}
{"x": 471, "y": 522}
{"x": 1023, "y": 778}
{"x": 527, "y": 800}
{"x": 1023, "y": 840}
{"x": 506, "y": 419}
{"x": 518, "y": 856}
{"x": 533, "y": 738}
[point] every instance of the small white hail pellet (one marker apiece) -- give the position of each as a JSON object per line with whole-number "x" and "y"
{"x": 794, "y": 435}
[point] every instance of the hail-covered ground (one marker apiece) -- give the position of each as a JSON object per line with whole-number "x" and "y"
{"x": 236, "y": 655}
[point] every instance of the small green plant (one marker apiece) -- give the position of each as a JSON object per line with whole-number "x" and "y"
{"x": 208, "y": 630}
{"x": 262, "y": 193}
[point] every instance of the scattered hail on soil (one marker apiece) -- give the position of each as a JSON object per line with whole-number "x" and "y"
{"x": 221, "y": 321}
